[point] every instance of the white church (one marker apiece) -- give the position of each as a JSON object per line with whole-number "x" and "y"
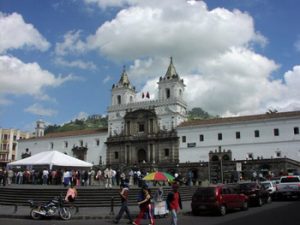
{"x": 157, "y": 131}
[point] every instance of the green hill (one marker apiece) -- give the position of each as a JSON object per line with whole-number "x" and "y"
{"x": 98, "y": 121}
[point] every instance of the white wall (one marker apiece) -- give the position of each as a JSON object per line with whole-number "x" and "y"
{"x": 44, "y": 144}
{"x": 266, "y": 145}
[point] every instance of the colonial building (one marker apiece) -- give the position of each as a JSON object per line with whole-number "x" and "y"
{"x": 156, "y": 132}
{"x": 144, "y": 131}
{"x": 274, "y": 135}
{"x": 88, "y": 145}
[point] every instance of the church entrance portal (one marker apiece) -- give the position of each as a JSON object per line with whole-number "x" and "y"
{"x": 142, "y": 157}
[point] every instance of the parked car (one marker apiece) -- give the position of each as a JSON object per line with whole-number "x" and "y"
{"x": 269, "y": 186}
{"x": 257, "y": 194}
{"x": 218, "y": 199}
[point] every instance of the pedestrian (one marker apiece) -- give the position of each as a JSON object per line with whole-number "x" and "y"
{"x": 71, "y": 193}
{"x": 10, "y": 175}
{"x": 124, "y": 189}
{"x": 99, "y": 177}
{"x": 174, "y": 203}
{"x": 159, "y": 203}
{"x": 145, "y": 207}
{"x": 108, "y": 174}
{"x": 45, "y": 176}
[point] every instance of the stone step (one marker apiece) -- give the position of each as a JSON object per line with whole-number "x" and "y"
{"x": 87, "y": 197}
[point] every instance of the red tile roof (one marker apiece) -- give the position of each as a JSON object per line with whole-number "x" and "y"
{"x": 70, "y": 133}
{"x": 241, "y": 119}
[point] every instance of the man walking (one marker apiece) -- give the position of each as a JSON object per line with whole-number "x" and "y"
{"x": 124, "y": 207}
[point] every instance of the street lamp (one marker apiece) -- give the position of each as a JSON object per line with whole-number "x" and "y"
{"x": 221, "y": 164}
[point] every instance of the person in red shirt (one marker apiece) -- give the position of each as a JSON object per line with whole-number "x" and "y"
{"x": 174, "y": 203}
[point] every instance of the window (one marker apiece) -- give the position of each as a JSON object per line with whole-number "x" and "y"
{"x": 276, "y": 132}
{"x": 220, "y": 136}
{"x": 201, "y": 137}
{"x": 167, "y": 152}
{"x": 116, "y": 155}
{"x": 128, "y": 127}
{"x": 180, "y": 92}
{"x": 183, "y": 138}
{"x": 296, "y": 130}
{"x": 256, "y": 133}
{"x": 66, "y": 144}
{"x": 168, "y": 94}
{"x": 250, "y": 155}
{"x": 238, "y": 135}
{"x": 119, "y": 99}
{"x": 97, "y": 142}
{"x": 141, "y": 127}
{"x": 278, "y": 154}
{"x": 151, "y": 126}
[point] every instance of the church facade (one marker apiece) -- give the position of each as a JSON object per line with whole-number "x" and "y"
{"x": 145, "y": 131}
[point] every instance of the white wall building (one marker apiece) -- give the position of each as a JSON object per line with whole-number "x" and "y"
{"x": 264, "y": 136}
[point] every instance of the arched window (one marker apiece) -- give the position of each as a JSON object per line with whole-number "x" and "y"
{"x": 119, "y": 99}
{"x": 168, "y": 93}
{"x": 180, "y": 92}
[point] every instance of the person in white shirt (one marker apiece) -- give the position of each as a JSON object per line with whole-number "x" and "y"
{"x": 45, "y": 176}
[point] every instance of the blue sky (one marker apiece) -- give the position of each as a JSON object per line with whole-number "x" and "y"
{"x": 59, "y": 58}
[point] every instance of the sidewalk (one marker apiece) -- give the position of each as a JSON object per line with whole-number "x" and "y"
{"x": 84, "y": 212}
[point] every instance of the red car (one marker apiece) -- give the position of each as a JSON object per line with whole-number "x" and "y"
{"x": 218, "y": 199}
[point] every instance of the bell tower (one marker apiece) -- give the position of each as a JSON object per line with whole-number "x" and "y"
{"x": 172, "y": 108}
{"x": 122, "y": 92}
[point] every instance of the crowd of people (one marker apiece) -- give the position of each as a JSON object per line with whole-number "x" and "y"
{"x": 106, "y": 177}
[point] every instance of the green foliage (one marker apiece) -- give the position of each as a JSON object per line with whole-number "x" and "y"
{"x": 92, "y": 122}
{"x": 98, "y": 121}
{"x": 199, "y": 113}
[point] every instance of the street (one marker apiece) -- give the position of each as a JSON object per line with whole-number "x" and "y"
{"x": 278, "y": 213}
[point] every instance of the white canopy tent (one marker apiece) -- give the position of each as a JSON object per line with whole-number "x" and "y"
{"x": 51, "y": 159}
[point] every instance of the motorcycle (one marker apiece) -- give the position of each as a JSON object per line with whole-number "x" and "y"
{"x": 53, "y": 207}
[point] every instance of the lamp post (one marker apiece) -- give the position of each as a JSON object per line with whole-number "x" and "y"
{"x": 221, "y": 164}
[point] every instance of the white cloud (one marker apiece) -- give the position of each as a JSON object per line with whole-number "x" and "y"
{"x": 76, "y": 64}
{"x": 15, "y": 34}
{"x": 19, "y": 78}
{"x": 81, "y": 116}
{"x": 297, "y": 44}
{"x": 37, "y": 109}
{"x": 110, "y": 3}
{"x": 173, "y": 27}
{"x": 71, "y": 44}
{"x": 106, "y": 79}
{"x": 213, "y": 51}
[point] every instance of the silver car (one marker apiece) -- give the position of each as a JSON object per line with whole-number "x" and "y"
{"x": 269, "y": 186}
